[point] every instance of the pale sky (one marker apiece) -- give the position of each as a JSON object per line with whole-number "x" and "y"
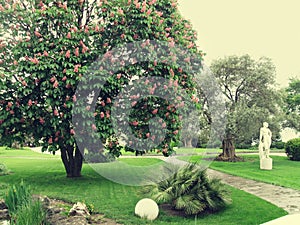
{"x": 256, "y": 27}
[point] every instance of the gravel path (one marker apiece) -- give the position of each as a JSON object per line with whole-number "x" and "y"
{"x": 286, "y": 198}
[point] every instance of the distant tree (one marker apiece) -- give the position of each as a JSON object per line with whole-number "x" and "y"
{"x": 292, "y": 100}
{"x": 249, "y": 90}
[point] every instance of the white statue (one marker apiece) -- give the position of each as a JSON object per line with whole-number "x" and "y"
{"x": 264, "y": 141}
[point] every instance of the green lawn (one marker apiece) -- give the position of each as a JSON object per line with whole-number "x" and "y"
{"x": 45, "y": 174}
{"x": 284, "y": 173}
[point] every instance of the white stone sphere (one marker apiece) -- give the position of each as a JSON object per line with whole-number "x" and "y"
{"x": 147, "y": 208}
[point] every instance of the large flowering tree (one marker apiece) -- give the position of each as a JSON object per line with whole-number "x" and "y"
{"x": 48, "y": 47}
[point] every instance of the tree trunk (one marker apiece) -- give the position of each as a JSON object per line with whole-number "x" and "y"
{"x": 228, "y": 153}
{"x": 184, "y": 143}
{"x": 72, "y": 160}
{"x": 189, "y": 143}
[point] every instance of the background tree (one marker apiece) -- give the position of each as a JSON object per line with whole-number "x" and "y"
{"x": 46, "y": 49}
{"x": 292, "y": 100}
{"x": 249, "y": 90}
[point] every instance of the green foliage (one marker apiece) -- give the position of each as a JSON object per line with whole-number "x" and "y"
{"x": 191, "y": 191}
{"x": 16, "y": 196}
{"x": 49, "y": 49}
{"x": 278, "y": 144}
{"x": 243, "y": 145}
{"x": 31, "y": 213}
{"x": 3, "y": 170}
{"x": 248, "y": 87}
{"x": 293, "y": 97}
{"x": 97, "y": 157}
{"x": 22, "y": 208}
{"x": 292, "y": 108}
{"x": 292, "y": 149}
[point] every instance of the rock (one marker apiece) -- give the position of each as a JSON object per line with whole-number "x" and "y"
{"x": 5, "y": 222}
{"x": 74, "y": 220}
{"x": 147, "y": 208}
{"x": 4, "y": 214}
{"x": 43, "y": 199}
{"x": 79, "y": 209}
{"x": 2, "y": 204}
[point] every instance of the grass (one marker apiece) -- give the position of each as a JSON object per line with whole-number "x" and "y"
{"x": 284, "y": 173}
{"x": 200, "y": 151}
{"x": 46, "y": 176}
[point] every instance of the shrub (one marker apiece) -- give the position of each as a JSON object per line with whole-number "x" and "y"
{"x": 97, "y": 157}
{"x": 292, "y": 149}
{"x": 17, "y": 196}
{"x": 190, "y": 190}
{"x": 243, "y": 145}
{"x": 278, "y": 144}
{"x": 3, "y": 170}
{"x": 31, "y": 213}
{"x": 22, "y": 209}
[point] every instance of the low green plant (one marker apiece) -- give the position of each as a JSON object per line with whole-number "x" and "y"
{"x": 16, "y": 196}
{"x": 30, "y": 214}
{"x": 278, "y": 144}
{"x": 3, "y": 170}
{"x": 292, "y": 149}
{"x": 191, "y": 191}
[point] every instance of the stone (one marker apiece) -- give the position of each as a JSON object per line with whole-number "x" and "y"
{"x": 2, "y": 204}
{"x": 147, "y": 208}
{"x": 266, "y": 164}
{"x": 5, "y": 222}
{"x": 43, "y": 199}
{"x": 79, "y": 209}
{"x": 4, "y": 214}
{"x": 288, "y": 219}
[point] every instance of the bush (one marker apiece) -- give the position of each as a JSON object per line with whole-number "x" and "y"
{"x": 292, "y": 149}
{"x": 243, "y": 145}
{"x": 97, "y": 157}
{"x": 17, "y": 196}
{"x": 190, "y": 190}
{"x": 278, "y": 145}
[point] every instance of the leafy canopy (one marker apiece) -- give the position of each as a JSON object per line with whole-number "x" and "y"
{"x": 47, "y": 48}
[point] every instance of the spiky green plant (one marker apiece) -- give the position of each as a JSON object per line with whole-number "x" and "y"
{"x": 190, "y": 190}
{"x": 16, "y": 196}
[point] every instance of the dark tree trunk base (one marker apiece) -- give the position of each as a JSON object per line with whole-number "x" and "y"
{"x": 72, "y": 162}
{"x": 228, "y": 154}
{"x": 235, "y": 158}
{"x": 73, "y": 176}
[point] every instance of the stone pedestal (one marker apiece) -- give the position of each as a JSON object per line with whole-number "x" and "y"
{"x": 266, "y": 164}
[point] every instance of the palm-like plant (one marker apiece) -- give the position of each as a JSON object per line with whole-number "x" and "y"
{"x": 190, "y": 190}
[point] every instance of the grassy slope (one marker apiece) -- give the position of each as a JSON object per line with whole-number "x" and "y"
{"x": 46, "y": 176}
